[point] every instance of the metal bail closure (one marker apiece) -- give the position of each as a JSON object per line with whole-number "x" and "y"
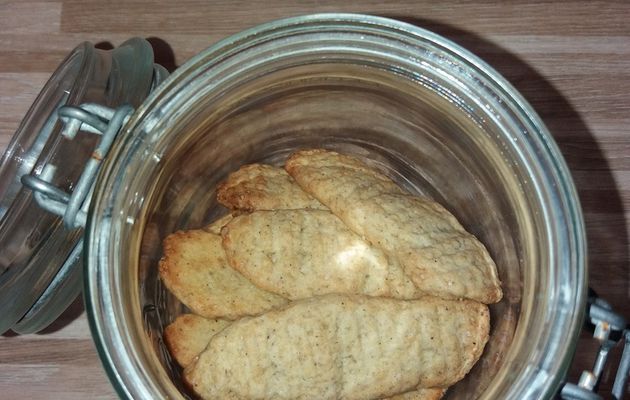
{"x": 72, "y": 208}
{"x": 48, "y": 173}
{"x": 609, "y": 328}
{"x": 92, "y": 118}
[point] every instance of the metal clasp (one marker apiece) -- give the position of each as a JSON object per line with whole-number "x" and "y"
{"x": 609, "y": 329}
{"x": 92, "y": 118}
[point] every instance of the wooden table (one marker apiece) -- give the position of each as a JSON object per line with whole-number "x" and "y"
{"x": 571, "y": 60}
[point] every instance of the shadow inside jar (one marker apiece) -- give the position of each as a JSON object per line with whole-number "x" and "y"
{"x": 601, "y": 199}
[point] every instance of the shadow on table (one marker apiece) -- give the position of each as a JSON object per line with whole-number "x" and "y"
{"x": 600, "y": 197}
{"x": 71, "y": 313}
{"x": 163, "y": 53}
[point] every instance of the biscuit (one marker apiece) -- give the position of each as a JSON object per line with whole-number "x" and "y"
{"x": 342, "y": 346}
{"x": 334, "y": 178}
{"x": 439, "y": 256}
{"x": 189, "y": 334}
{"x": 304, "y": 253}
{"x": 194, "y": 268}
{"x": 263, "y": 187}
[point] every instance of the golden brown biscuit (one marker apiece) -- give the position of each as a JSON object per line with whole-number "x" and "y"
{"x": 304, "y": 253}
{"x": 435, "y": 251}
{"x": 337, "y": 178}
{"x": 336, "y": 346}
{"x": 189, "y": 334}
{"x": 440, "y": 257}
{"x": 194, "y": 268}
{"x": 263, "y": 187}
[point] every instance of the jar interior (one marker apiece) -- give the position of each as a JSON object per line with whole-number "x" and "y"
{"x": 430, "y": 141}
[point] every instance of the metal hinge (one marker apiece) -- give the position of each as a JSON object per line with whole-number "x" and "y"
{"x": 609, "y": 329}
{"x": 93, "y": 118}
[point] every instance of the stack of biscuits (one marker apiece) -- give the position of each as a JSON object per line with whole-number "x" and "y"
{"x": 327, "y": 281}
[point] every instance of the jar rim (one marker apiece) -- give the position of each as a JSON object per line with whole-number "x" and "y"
{"x": 98, "y": 283}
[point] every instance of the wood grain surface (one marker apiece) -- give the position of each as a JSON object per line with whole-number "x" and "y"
{"x": 570, "y": 59}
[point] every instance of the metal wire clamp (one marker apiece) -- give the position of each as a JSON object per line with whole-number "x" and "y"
{"x": 609, "y": 328}
{"x": 93, "y": 118}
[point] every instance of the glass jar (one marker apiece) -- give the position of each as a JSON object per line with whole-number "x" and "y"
{"x": 40, "y": 263}
{"x": 434, "y": 117}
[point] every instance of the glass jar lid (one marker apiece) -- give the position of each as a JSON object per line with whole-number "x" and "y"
{"x": 40, "y": 256}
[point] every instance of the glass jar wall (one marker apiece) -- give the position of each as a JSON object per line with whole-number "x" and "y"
{"x": 432, "y": 116}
